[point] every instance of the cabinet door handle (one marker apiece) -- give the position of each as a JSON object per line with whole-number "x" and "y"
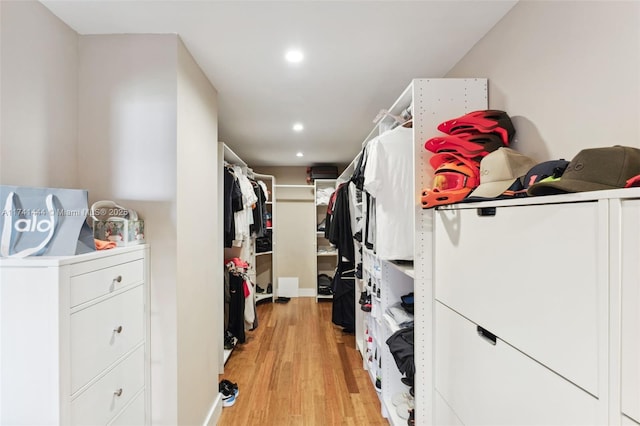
{"x": 118, "y": 329}
{"x": 118, "y": 392}
{"x": 118, "y": 279}
{"x": 487, "y": 335}
{"x": 486, "y": 211}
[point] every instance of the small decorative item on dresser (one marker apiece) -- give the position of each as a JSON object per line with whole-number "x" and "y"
{"x": 113, "y": 222}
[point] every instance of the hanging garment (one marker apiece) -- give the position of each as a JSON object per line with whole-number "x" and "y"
{"x": 259, "y": 212}
{"x": 232, "y": 199}
{"x": 249, "y": 307}
{"x": 389, "y": 179}
{"x": 344, "y": 297}
{"x": 340, "y": 233}
{"x": 236, "y": 307}
{"x": 358, "y": 172}
{"x": 244, "y": 218}
{"x": 227, "y": 299}
{"x": 328, "y": 217}
{"x": 265, "y": 190}
{"x": 370, "y": 224}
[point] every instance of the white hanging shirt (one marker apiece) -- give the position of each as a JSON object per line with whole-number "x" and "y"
{"x": 388, "y": 177}
{"x": 244, "y": 218}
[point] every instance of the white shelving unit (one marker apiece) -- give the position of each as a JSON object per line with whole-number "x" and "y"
{"x": 433, "y": 101}
{"x": 326, "y": 253}
{"x": 262, "y": 266}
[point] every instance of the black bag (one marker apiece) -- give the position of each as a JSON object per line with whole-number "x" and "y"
{"x": 264, "y": 244}
{"x": 324, "y": 284}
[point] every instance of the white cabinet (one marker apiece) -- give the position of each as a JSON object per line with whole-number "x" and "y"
{"x": 554, "y": 282}
{"x": 630, "y": 311}
{"x": 535, "y": 279}
{"x": 326, "y": 253}
{"x": 533, "y": 275}
{"x": 74, "y": 339}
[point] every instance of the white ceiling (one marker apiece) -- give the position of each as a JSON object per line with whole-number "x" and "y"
{"x": 359, "y": 57}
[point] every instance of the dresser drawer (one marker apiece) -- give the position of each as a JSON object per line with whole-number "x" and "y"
{"x": 132, "y": 415}
{"x": 98, "y": 404}
{"x": 534, "y": 275}
{"x": 487, "y": 384}
{"x": 95, "y": 340}
{"x": 97, "y": 283}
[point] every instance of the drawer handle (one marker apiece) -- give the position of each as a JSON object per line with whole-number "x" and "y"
{"x": 118, "y": 279}
{"x": 487, "y": 335}
{"x": 486, "y": 211}
{"x": 118, "y": 392}
{"x": 118, "y": 329}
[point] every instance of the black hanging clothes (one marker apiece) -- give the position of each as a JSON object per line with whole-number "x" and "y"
{"x": 259, "y": 226}
{"x": 327, "y": 219}
{"x": 358, "y": 172}
{"x": 340, "y": 233}
{"x": 236, "y": 307}
{"x": 232, "y": 203}
{"x": 344, "y": 297}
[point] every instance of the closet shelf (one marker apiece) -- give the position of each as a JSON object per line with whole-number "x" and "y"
{"x": 390, "y": 323}
{"x": 295, "y": 193}
{"x": 404, "y": 267}
{"x": 334, "y": 253}
{"x": 264, "y": 252}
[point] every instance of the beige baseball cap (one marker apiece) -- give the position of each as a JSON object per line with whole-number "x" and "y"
{"x": 499, "y": 170}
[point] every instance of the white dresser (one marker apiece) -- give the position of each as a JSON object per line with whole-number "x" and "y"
{"x": 74, "y": 339}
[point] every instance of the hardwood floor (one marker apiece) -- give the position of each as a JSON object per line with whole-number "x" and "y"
{"x": 298, "y": 368}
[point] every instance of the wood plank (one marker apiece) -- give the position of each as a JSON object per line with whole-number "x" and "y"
{"x": 297, "y": 368}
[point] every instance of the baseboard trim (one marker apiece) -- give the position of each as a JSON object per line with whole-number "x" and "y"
{"x": 306, "y": 292}
{"x": 214, "y": 412}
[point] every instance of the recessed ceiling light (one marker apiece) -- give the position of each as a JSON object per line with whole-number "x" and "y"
{"x": 298, "y": 127}
{"x": 299, "y": 154}
{"x": 294, "y": 56}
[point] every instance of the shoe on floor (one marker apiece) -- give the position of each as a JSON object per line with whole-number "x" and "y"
{"x": 229, "y": 386}
{"x": 228, "y": 400}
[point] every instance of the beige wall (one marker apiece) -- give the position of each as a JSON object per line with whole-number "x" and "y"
{"x": 38, "y": 97}
{"x": 567, "y": 72}
{"x": 199, "y": 273}
{"x": 127, "y": 134}
{"x": 294, "y": 233}
{"x": 148, "y": 125}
